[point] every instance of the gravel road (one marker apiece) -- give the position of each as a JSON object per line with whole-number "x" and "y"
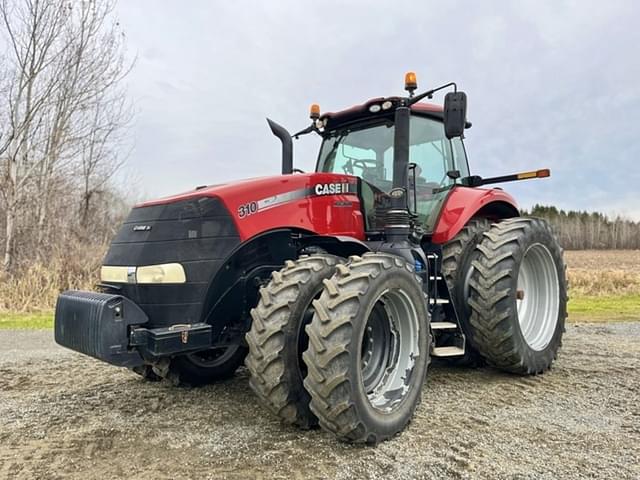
{"x": 63, "y": 415}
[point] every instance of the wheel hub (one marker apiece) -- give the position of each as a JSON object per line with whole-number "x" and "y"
{"x": 389, "y": 349}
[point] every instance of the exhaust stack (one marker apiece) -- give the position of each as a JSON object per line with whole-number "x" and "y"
{"x": 287, "y": 145}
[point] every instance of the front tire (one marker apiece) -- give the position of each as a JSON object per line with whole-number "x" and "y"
{"x": 277, "y": 339}
{"x": 368, "y": 349}
{"x": 202, "y": 368}
{"x": 519, "y": 296}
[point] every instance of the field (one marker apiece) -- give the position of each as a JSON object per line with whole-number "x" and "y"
{"x": 604, "y": 285}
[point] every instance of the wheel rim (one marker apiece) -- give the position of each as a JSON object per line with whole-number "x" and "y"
{"x": 213, "y": 357}
{"x": 389, "y": 349}
{"x": 538, "y": 296}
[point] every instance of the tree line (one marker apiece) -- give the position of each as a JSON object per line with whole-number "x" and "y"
{"x": 63, "y": 118}
{"x": 589, "y": 230}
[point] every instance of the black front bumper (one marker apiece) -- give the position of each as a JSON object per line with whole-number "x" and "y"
{"x": 110, "y": 328}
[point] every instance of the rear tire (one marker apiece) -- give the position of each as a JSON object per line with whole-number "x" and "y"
{"x": 277, "y": 338}
{"x": 368, "y": 349}
{"x": 519, "y": 296}
{"x": 457, "y": 257}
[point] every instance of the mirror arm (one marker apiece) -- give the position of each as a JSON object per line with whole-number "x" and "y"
{"x": 310, "y": 129}
{"x": 429, "y": 93}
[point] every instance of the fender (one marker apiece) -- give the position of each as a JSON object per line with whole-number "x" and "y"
{"x": 233, "y": 290}
{"x": 464, "y": 203}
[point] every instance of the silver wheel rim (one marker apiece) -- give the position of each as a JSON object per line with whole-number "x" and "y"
{"x": 538, "y": 296}
{"x": 389, "y": 349}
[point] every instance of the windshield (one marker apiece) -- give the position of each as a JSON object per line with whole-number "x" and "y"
{"x": 367, "y": 152}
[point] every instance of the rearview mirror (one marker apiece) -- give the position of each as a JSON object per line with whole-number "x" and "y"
{"x": 455, "y": 114}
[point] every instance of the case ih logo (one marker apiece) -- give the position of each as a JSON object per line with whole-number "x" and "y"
{"x": 331, "y": 188}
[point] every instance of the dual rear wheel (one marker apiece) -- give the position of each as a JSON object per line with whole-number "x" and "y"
{"x": 341, "y": 345}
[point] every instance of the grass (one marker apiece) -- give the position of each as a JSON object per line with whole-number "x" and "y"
{"x": 604, "y": 308}
{"x": 26, "y": 321}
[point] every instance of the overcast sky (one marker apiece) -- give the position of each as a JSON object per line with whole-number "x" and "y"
{"x": 550, "y": 84}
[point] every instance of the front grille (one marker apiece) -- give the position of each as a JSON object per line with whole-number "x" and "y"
{"x": 198, "y": 233}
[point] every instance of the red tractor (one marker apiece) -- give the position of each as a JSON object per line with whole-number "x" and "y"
{"x": 335, "y": 287}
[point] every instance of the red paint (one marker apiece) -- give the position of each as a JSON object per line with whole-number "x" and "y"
{"x": 461, "y": 205}
{"x": 318, "y": 213}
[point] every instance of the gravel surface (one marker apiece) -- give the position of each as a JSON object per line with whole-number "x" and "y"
{"x": 63, "y": 415}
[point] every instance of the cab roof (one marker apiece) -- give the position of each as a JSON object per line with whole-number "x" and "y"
{"x": 358, "y": 112}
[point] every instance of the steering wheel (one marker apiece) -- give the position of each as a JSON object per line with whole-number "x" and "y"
{"x": 360, "y": 163}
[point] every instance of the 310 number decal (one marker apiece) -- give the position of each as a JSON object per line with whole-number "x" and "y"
{"x": 247, "y": 209}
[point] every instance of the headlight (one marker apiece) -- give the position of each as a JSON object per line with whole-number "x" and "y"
{"x": 114, "y": 274}
{"x": 166, "y": 273}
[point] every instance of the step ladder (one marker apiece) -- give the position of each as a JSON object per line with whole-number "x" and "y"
{"x": 447, "y": 337}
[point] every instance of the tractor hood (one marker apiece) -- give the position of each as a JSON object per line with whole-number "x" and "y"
{"x": 307, "y": 201}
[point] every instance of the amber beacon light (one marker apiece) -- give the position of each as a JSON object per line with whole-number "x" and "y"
{"x": 314, "y": 111}
{"x": 410, "y": 82}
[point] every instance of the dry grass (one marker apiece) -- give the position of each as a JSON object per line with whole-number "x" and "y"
{"x": 617, "y": 260}
{"x": 603, "y": 272}
{"x": 36, "y": 287}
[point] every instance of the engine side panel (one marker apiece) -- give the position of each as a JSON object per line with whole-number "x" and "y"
{"x": 464, "y": 203}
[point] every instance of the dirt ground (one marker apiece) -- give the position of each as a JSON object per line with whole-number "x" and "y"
{"x": 66, "y": 416}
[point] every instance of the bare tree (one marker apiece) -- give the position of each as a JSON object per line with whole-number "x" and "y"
{"x": 65, "y": 112}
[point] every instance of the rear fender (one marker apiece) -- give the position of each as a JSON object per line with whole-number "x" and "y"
{"x": 464, "y": 203}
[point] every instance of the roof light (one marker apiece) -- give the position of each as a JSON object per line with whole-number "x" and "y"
{"x": 375, "y": 108}
{"x": 314, "y": 111}
{"x": 387, "y": 105}
{"x": 410, "y": 82}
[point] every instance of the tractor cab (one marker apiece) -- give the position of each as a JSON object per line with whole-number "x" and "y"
{"x": 360, "y": 142}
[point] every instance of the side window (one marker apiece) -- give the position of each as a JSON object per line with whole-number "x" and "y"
{"x": 432, "y": 162}
{"x": 460, "y": 157}
{"x": 432, "y": 153}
